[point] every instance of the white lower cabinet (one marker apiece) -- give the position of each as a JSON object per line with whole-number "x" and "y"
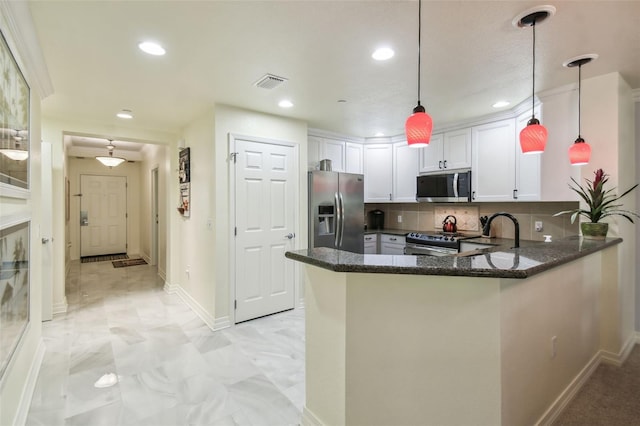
{"x": 370, "y": 244}
{"x": 392, "y": 244}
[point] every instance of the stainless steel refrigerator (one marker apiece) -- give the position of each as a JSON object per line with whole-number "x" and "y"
{"x": 336, "y": 210}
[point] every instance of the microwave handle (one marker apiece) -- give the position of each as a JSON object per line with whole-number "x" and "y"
{"x": 455, "y": 185}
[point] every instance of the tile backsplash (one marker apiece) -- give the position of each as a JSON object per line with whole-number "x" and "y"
{"x": 428, "y": 217}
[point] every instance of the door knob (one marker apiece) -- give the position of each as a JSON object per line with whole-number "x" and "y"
{"x": 290, "y": 236}
{"x": 45, "y": 240}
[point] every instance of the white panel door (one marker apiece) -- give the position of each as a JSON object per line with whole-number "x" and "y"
{"x": 266, "y": 192}
{"x": 46, "y": 232}
{"x": 103, "y": 215}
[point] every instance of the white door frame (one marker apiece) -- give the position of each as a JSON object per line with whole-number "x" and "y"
{"x": 232, "y": 213}
{"x": 154, "y": 215}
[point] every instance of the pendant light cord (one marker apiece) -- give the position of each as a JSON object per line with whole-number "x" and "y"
{"x": 579, "y": 95}
{"x": 533, "y": 72}
{"x": 419, "y": 38}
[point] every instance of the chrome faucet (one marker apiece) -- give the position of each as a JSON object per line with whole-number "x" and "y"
{"x": 486, "y": 230}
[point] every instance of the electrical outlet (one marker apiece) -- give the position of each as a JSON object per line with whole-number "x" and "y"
{"x": 554, "y": 346}
{"x": 399, "y": 218}
{"x": 538, "y": 225}
{"x": 209, "y": 224}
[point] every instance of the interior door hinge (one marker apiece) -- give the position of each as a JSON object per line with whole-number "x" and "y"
{"x": 234, "y": 156}
{"x": 235, "y": 304}
{"x": 235, "y": 231}
{"x": 126, "y": 215}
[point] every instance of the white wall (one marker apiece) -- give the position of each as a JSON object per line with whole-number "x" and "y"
{"x": 155, "y": 156}
{"x": 205, "y": 253}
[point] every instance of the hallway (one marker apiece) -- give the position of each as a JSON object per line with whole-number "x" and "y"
{"x": 172, "y": 369}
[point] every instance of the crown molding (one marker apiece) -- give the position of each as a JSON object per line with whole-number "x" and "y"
{"x": 19, "y": 30}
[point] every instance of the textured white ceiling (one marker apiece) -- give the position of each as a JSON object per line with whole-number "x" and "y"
{"x": 472, "y": 56}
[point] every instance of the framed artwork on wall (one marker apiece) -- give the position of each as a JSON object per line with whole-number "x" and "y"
{"x": 14, "y": 288}
{"x": 184, "y": 176}
{"x": 14, "y": 126}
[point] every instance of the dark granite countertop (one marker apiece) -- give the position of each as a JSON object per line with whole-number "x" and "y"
{"x": 498, "y": 261}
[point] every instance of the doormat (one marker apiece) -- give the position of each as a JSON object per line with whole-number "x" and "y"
{"x": 101, "y": 258}
{"x": 128, "y": 262}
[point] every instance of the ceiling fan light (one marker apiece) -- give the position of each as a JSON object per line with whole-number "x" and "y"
{"x": 533, "y": 138}
{"x": 15, "y": 154}
{"x": 418, "y": 128}
{"x": 579, "y": 152}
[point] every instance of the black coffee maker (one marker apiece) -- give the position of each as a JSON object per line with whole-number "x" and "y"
{"x": 376, "y": 219}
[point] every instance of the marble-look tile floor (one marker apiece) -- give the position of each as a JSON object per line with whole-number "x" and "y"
{"x": 172, "y": 369}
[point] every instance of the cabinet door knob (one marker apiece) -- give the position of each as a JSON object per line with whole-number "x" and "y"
{"x": 473, "y": 195}
{"x": 515, "y": 194}
{"x": 445, "y": 164}
{"x": 440, "y": 164}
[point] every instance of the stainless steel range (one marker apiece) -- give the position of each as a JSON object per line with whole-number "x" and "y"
{"x": 444, "y": 244}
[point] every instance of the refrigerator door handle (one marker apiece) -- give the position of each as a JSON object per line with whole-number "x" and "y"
{"x": 336, "y": 241}
{"x": 341, "y": 218}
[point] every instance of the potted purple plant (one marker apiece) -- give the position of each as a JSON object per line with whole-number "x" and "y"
{"x": 601, "y": 203}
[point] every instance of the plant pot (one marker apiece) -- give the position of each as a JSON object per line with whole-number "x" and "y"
{"x": 594, "y": 231}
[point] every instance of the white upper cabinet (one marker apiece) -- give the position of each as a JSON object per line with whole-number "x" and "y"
{"x": 378, "y": 173}
{"x": 314, "y": 145}
{"x": 527, "y": 173}
{"x": 344, "y": 156}
{"x": 431, "y": 156}
{"x": 493, "y": 168}
{"x": 335, "y": 151}
{"x": 447, "y": 151}
{"x": 405, "y": 170}
{"x": 354, "y": 157}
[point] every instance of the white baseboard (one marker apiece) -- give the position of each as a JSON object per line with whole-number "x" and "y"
{"x": 300, "y": 304}
{"x": 220, "y": 323}
{"x": 30, "y": 385}
{"x": 192, "y": 303}
{"x": 60, "y": 308}
{"x": 309, "y": 419}
{"x": 570, "y": 392}
{"x": 162, "y": 274}
{"x": 146, "y": 258}
{"x": 618, "y": 359}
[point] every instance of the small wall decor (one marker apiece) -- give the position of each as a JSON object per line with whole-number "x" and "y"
{"x": 184, "y": 176}
{"x": 14, "y": 125}
{"x": 14, "y": 289}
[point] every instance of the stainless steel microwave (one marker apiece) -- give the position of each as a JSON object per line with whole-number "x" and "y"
{"x": 450, "y": 187}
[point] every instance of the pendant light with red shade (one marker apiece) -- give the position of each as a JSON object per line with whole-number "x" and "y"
{"x": 419, "y": 125}
{"x": 580, "y": 151}
{"x": 533, "y": 137}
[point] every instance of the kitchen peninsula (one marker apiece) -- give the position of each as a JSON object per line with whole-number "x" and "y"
{"x": 499, "y": 338}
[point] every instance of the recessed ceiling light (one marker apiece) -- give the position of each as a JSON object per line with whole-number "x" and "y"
{"x": 383, "y": 53}
{"x": 152, "y": 48}
{"x": 125, "y": 113}
{"x": 285, "y": 103}
{"x": 379, "y": 134}
{"x": 500, "y": 104}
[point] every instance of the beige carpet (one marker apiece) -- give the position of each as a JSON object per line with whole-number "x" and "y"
{"x": 611, "y": 397}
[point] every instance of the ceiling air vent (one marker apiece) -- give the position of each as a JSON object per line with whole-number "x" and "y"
{"x": 270, "y": 81}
